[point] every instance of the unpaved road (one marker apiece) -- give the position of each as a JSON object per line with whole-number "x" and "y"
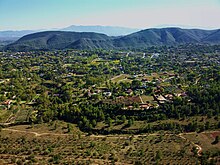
{"x": 35, "y": 133}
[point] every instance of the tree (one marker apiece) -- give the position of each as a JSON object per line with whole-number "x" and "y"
{"x": 130, "y": 122}
{"x": 123, "y": 118}
{"x": 94, "y": 123}
{"x": 109, "y": 121}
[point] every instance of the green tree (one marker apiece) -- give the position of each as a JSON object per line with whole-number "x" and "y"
{"x": 123, "y": 118}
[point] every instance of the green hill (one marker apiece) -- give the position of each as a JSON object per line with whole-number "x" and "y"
{"x": 51, "y": 40}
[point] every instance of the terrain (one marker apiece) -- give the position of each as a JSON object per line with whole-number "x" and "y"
{"x": 45, "y": 145}
{"x": 57, "y": 40}
{"x": 13, "y": 35}
{"x": 154, "y": 106}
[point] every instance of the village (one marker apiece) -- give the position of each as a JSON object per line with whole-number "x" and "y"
{"x": 136, "y": 91}
{"x": 115, "y": 97}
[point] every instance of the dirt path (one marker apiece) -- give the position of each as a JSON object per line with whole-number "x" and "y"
{"x": 141, "y": 99}
{"x": 35, "y": 133}
{"x": 62, "y": 134}
{"x": 6, "y": 156}
{"x": 199, "y": 148}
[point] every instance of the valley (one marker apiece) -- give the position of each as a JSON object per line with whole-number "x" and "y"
{"x": 158, "y": 105}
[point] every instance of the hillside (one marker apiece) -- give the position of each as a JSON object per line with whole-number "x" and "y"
{"x": 167, "y": 36}
{"x": 51, "y": 40}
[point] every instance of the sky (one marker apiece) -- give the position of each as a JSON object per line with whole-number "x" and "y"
{"x": 47, "y": 14}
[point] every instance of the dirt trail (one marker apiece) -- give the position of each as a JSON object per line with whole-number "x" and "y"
{"x": 35, "y": 133}
{"x": 62, "y": 134}
{"x": 141, "y": 99}
{"x": 199, "y": 148}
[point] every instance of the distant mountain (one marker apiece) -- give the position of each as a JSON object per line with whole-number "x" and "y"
{"x": 14, "y": 35}
{"x": 11, "y": 35}
{"x": 51, "y": 40}
{"x": 108, "y": 30}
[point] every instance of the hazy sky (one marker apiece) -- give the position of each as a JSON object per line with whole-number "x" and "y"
{"x": 41, "y": 14}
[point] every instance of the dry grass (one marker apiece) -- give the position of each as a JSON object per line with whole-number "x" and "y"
{"x": 205, "y": 140}
{"x": 146, "y": 98}
{"x": 119, "y": 149}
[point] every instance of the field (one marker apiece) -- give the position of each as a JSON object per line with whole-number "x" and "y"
{"x": 119, "y": 78}
{"x": 146, "y": 98}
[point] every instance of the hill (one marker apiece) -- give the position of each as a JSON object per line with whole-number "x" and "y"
{"x": 167, "y": 36}
{"x": 13, "y": 35}
{"x": 51, "y": 40}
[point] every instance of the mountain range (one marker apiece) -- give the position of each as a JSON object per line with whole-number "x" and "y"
{"x": 52, "y": 40}
{"x": 11, "y": 35}
{"x": 108, "y": 30}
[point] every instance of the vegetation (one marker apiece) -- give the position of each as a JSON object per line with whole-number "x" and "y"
{"x": 157, "y": 99}
{"x": 52, "y": 40}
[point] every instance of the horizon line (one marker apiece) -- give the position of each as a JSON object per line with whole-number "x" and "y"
{"x": 116, "y": 26}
